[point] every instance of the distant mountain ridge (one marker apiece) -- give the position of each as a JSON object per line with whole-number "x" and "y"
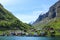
{"x": 41, "y": 17}
{"x": 52, "y": 14}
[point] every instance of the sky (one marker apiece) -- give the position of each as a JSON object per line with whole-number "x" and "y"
{"x": 27, "y": 10}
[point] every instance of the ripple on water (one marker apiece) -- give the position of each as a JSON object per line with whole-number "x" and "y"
{"x": 28, "y": 38}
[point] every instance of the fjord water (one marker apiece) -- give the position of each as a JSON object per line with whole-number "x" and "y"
{"x": 28, "y": 38}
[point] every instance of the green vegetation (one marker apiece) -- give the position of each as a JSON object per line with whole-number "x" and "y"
{"x": 56, "y": 25}
{"x": 9, "y": 22}
{"x": 51, "y": 28}
{"x": 50, "y": 22}
{"x": 46, "y": 27}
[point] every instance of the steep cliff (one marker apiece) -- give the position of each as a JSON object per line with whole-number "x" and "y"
{"x": 51, "y": 16}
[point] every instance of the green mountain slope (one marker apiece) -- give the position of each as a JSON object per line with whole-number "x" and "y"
{"x": 55, "y": 24}
{"x": 9, "y": 21}
{"x": 50, "y": 22}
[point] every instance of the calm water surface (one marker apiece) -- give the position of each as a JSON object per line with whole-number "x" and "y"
{"x": 28, "y": 38}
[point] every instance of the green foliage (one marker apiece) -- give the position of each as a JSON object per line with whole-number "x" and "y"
{"x": 9, "y": 22}
{"x": 55, "y": 24}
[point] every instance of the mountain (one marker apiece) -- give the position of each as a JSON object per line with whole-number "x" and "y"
{"x": 50, "y": 18}
{"x": 9, "y": 22}
{"x": 41, "y": 17}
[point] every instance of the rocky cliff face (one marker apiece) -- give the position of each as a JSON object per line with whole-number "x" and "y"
{"x": 54, "y": 12}
{"x": 41, "y": 17}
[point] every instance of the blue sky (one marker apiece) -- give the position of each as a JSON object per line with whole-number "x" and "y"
{"x": 27, "y": 10}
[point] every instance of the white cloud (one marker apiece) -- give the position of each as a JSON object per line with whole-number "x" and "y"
{"x": 12, "y": 2}
{"x": 37, "y": 13}
{"x": 5, "y": 1}
{"x": 23, "y": 17}
{"x": 27, "y": 18}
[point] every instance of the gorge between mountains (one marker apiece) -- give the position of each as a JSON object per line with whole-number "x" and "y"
{"x": 47, "y": 24}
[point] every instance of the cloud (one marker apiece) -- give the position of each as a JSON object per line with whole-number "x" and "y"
{"x": 5, "y": 1}
{"x": 27, "y": 18}
{"x": 37, "y": 13}
{"x": 13, "y": 2}
{"x": 25, "y": 10}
